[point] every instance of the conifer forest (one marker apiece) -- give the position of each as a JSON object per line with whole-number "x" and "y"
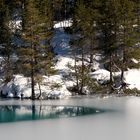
{"x": 57, "y": 48}
{"x": 69, "y": 69}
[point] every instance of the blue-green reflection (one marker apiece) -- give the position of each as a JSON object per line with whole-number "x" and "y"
{"x": 13, "y": 113}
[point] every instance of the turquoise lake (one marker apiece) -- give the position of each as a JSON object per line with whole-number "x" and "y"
{"x": 89, "y": 118}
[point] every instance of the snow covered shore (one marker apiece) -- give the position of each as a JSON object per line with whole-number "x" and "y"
{"x": 57, "y": 86}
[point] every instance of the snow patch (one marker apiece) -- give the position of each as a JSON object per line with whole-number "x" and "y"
{"x": 62, "y": 24}
{"x": 135, "y": 61}
{"x": 15, "y": 25}
{"x": 52, "y": 86}
{"x": 101, "y": 75}
{"x": 132, "y": 77}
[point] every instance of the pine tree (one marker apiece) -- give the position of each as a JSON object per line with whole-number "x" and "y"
{"x": 109, "y": 25}
{"x": 5, "y": 41}
{"x": 80, "y": 27}
{"x": 37, "y": 33}
{"x": 85, "y": 25}
{"x": 134, "y": 51}
{"x": 127, "y": 32}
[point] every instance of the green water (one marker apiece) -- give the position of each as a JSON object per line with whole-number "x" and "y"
{"x": 14, "y": 113}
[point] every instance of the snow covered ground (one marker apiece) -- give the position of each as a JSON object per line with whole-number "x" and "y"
{"x": 132, "y": 77}
{"x": 53, "y": 86}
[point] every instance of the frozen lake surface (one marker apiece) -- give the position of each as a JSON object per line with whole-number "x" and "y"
{"x": 122, "y": 123}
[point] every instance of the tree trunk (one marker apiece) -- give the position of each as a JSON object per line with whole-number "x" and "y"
{"x": 76, "y": 74}
{"x": 124, "y": 53}
{"x": 40, "y": 92}
{"x": 32, "y": 81}
{"x": 82, "y": 73}
{"x": 111, "y": 75}
{"x": 123, "y": 66}
{"x": 91, "y": 49}
{"x": 32, "y": 74}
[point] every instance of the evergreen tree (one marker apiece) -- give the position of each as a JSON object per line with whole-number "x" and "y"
{"x": 37, "y": 28}
{"x": 127, "y": 31}
{"x": 5, "y": 41}
{"x": 85, "y": 25}
{"x": 109, "y": 25}
{"x": 134, "y": 51}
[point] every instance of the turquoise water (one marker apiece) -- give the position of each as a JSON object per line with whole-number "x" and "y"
{"x": 113, "y": 118}
{"x": 14, "y": 113}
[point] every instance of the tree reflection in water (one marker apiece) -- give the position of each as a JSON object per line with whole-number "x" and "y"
{"x": 13, "y": 113}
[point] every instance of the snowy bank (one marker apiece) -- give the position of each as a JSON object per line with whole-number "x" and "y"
{"x": 56, "y": 86}
{"x": 51, "y": 87}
